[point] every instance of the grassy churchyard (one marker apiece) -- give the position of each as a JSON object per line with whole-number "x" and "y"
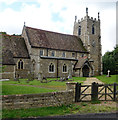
{"x": 108, "y": 80}
{"x": 12, "y": 87}
{"x": 23, "y": 87}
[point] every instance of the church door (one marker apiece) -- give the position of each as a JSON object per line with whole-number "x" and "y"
{"x": 85, "y": 71}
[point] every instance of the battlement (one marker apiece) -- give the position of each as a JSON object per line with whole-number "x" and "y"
{"x": 88, "y": 17}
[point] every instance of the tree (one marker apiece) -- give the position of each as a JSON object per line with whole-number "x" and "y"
{"x": 110, "y": 61}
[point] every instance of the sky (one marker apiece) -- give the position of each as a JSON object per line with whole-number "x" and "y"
{"x": 58, "y": 16}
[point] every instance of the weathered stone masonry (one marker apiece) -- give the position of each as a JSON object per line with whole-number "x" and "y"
{"x": 37, "y": 100}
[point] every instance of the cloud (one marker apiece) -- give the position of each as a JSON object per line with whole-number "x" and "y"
{"x": 108, "y": 29}
{"x": 8, "y": 2}
{"x": 58, "y": 16}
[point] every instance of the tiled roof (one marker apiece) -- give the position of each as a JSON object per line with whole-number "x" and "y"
{"x": 7, "y": 58}
{"x": 52, "y": 40}
{"x": 81, "y": 62}
{"x": 13, "y": 46}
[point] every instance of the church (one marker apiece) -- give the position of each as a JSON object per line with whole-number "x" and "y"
{"x": 52, "y": 55}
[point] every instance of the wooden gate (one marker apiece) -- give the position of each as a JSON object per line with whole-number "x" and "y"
{"x": 81, "y": 92}
{"x": 105, "y": 92}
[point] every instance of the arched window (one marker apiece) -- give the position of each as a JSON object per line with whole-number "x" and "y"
{"x": 93, "y": 29}
{"x": 64, "y": 68}
{"x": 20, "y": 64}
{"x": 79, "y": 30}
{"x": 51, "y": 67}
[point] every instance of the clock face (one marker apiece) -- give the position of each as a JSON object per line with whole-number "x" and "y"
{"x": 93, "y": 43}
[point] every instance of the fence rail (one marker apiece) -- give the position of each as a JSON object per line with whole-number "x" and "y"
{"x": 95, "y": 91}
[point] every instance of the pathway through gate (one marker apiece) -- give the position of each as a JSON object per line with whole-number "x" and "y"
{"x": 89, "y": 82}
{"x": 93, "y": 89}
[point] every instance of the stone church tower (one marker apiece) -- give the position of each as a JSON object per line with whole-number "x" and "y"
{"x": 88, "y": 29}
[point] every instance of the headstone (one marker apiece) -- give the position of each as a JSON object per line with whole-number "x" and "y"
{"x": 70, "y": 74}
{"x": 40, "y": 76}
{"x": 108, "y": 75}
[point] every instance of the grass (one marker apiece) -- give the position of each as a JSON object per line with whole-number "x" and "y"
{"x": 14, "y": 89}
{"x": 36, "y": 82}
{"x": 9, "y": 87}
{"x": 108, "y": 80}
{"x": 61, "y": 110}
{"x": 81, "y": 107}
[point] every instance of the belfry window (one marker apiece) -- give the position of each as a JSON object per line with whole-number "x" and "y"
{"x": 64, "y": 68}
{"x": 79, "y": 30}
{"x": 20, "y": 64}
{"x": 93, "y": 29}
{"x": 73, "y": 54}
{"x": 51, "y": 67}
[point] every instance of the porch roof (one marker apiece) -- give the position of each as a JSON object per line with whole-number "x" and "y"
{"x": 80, "y": 62}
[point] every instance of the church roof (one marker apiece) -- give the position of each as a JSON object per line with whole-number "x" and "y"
{"x": 52, "y": 40}
{"x": 7, "y": 58}
{"x": 80, "y": 62}
{"x": 13, "y": 47}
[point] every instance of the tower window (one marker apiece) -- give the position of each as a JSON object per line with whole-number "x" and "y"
{"x": 93, "y": 43}
{"x": 73, "y": 54}
{"x": 20, "y": 64}
{"x": 79, "y": 30}
{"x": 93, "y": 29}
{"x": 64, "y": 68}
{"x": 51, "y": 67}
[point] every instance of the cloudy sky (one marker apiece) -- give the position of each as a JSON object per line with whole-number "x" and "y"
{"x": 58, "y": 16}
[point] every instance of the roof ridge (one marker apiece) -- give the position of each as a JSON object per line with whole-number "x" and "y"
{"x": 50, "y": 31}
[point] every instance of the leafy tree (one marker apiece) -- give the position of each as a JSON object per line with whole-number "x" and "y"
{"x": 110, "y": 61}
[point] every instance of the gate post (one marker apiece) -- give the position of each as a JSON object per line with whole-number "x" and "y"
{"x": 114, "y": 92}
{"x": 77, "y": 92}
{"x": 94, "y": 91}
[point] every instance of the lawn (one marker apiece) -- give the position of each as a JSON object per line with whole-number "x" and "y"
{"x": 9, "y": 87}
{"x": 80, "y": 108}
{"x": 52, "y": 83}
{"x": 36, "y": 86}
{"x": 15, "y": 89}
{"x": 108, "y": 80}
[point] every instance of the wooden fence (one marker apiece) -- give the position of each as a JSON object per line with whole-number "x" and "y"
{"x": 95, "y": 91}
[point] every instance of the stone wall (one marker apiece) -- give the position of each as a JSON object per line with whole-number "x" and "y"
{"x": 58, "y": 66}
{"x": 8, "y": 72}
{"x": 26, "y": 67}
{"x": 37, "y": 100}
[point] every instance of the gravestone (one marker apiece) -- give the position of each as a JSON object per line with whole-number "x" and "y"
{"x": 108, "y": 75}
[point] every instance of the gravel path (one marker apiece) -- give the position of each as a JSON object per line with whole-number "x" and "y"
{"x": 89, "y": 81}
